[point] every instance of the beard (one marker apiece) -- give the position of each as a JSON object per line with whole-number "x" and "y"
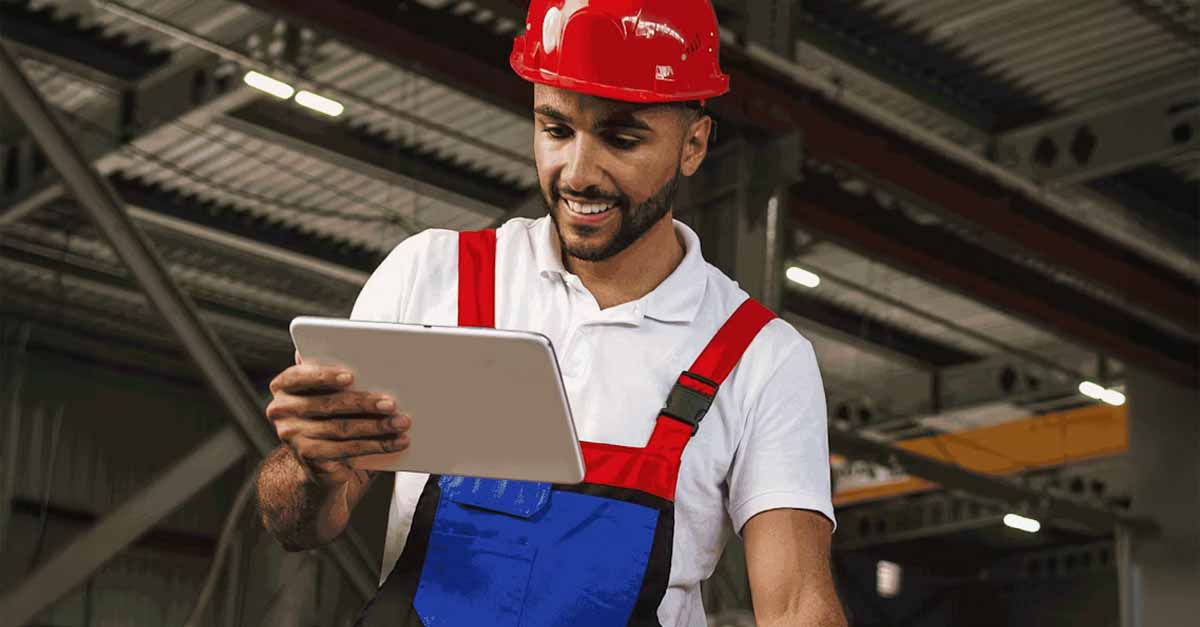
{"x": 634, "y": 221}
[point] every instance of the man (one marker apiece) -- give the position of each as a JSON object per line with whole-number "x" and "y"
{"x": 624, "y": 294}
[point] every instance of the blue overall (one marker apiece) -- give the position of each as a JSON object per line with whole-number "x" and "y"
{"x": 494, "y": 552}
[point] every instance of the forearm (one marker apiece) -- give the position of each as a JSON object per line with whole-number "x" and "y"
{"x": 816, "y": 611}
{"x": 788, "y": 561}
{"x": 300, "y": 512}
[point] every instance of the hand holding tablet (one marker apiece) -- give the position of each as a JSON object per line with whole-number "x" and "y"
{"x": 483, "y": 402}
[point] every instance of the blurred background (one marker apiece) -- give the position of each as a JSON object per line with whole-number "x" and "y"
{"x": 985, "y": 215}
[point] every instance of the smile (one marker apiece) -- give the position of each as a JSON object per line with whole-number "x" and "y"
{"x": 587, "y": 209}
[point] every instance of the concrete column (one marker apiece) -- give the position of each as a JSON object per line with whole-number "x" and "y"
{"x": 1161, "y": 585}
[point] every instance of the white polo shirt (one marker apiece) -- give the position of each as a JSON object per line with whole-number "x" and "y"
{"x": 763, "y": 445}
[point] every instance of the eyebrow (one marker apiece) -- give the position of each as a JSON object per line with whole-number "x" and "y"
{"x": 620, "y": 119}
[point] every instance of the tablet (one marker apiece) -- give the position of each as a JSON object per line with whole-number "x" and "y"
{"x": 484, "y": 402}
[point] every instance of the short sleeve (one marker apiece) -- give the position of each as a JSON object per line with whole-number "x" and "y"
{"x": 782, "y": 460}
{"x": 388, "y": 290}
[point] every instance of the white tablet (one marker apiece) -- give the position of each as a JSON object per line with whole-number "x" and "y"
{"x": 484, "y": 402}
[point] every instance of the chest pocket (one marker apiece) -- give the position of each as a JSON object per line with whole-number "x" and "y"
{"x": 523, "y": 499}
{"x": 522, "y": 554}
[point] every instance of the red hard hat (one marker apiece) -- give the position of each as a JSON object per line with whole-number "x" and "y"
{"x": 633, "y": 50}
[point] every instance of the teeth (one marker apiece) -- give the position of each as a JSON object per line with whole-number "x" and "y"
{"x": 590, "y": 208}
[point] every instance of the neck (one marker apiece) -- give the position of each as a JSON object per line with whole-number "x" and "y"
{"x": 635, "y": 271}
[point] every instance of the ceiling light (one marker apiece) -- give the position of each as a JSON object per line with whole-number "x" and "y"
{"x": 803, "y": 277}
{"x": 1017, "y": 521}
{"x": 1092, "y": 390}
{"x": 320, "y": 103}
{"x": 1101, "y": 393}
{"x": 272, "y": 86}
{"x": 1112, "y": 397}
{"x": 887, "y": 578}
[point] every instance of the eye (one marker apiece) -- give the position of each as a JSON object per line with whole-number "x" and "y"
{"x": 557, "y": 132}
{"x": 623, "y": 142}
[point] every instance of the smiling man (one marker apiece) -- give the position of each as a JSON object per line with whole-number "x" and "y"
{"x": 701, "y": 415}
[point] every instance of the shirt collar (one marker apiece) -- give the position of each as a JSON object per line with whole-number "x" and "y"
{"x": 676, "y": 299}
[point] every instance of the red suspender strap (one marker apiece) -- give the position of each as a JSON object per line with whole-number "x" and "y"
{"x": 724, "y": 351}
{"x": 477, "y": 278}
{"x": 696, "y": 387}
{"x": 655, "y": 468}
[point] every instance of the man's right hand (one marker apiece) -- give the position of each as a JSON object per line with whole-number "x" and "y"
{"x": 326, "y": 423}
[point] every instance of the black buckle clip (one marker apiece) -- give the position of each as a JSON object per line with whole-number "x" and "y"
{"x": 687, "y": 405}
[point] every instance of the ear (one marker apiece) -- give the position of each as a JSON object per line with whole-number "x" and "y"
{"x": 695, "y": 144}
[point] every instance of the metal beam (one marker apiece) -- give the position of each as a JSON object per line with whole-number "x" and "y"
{"x": 376, "y": 156}
{"x": 234, "y": 227}
{"x": 771, "y": 95}
{"x": 959, "y": 185}
{"x": 1172, "y": 17}
{"x": 106, "y": 209}
{"x": 858, "y": 223}
{"x": 73, "y": 269}
{"x": 220, "y": 370}
{"x": 1087, "y": 145}
{"x": 250, "y": 245}
{"x": 770, "y": 25}
{"x": 874, "y": 334}
{"x": 75, "y": 563}
{"x": 1036, "y": 504}
{"x": 133, "y": 350}
{"x": 65, "y": 38}
{"x": 191, "y": 88}
{"x": 433, "y": 42}
{"x": 921, "y": 517}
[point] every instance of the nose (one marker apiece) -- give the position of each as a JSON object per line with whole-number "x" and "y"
{"x": 582, "y": 167}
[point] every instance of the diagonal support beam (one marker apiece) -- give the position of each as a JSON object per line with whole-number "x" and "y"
{"x": 75, "y": 563}
{"x": 106, "y": 209}
{"x": 192, "y": 88}
{"x": 64, "y": 38}
{"x": 220, "y": 370}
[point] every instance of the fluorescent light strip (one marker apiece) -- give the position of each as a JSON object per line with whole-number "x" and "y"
{"x": 1092, "y": 390}
{"x": 1017, "y": 521}
{"x": 319, "y": 103}
{"x": 1112, "y": 397}
{"x": 265, "y": 83}
{"x": 1101, "y": 393}
{"x": 803, "y": 277}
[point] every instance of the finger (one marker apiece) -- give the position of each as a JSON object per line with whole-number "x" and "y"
{"x": 297, "y": 357}
{"x": 355, "y": 428}
{"x": 336, "y": 450}
{"x": 303, "y": 378}
{"x": 328, "y": 405}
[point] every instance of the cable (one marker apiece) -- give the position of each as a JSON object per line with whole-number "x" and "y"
{"x": 223, "y": 541}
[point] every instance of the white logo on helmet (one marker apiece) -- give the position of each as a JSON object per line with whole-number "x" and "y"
{"x": 551, "y": 30}
{"x": 664, "y": 72}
